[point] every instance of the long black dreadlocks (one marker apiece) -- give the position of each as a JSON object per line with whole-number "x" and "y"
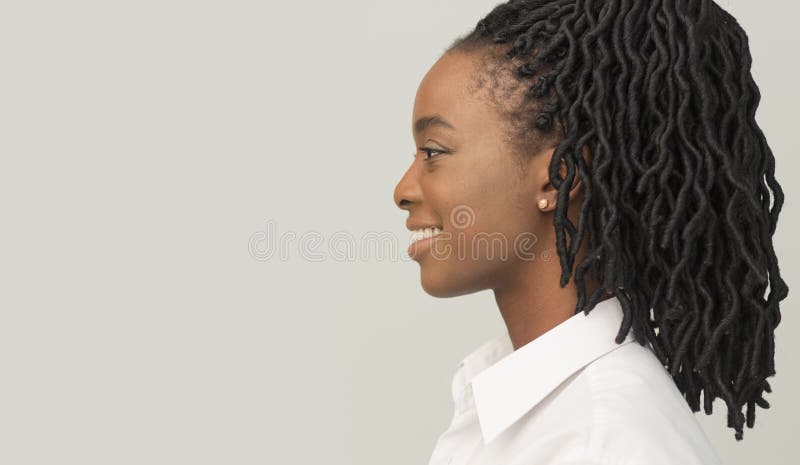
{"x": 677, "y": 200}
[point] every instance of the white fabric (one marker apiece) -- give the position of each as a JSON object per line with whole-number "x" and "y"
{"x": 572, "y": 396}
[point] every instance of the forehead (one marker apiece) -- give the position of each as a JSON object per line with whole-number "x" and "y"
{"x": 450, "y": 90}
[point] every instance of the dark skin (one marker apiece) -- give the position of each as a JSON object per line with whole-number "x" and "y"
{"x": 473, "y": 165}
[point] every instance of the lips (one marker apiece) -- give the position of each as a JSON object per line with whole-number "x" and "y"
{"x": 425, "y": 233}
{"x": 415, "y": 224}
{"x": 418, "y": 246}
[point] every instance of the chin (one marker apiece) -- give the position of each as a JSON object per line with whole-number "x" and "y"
{"x": 436, "y": 290}
{"x": 443, "y": 285}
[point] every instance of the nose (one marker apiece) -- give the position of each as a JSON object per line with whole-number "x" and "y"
{"x": 408, "y": 190}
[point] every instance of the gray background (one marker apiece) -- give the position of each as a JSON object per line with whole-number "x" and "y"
{"x": 146, "y": 149}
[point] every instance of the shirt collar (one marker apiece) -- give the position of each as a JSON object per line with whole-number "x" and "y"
{"x": 507, "y": 383}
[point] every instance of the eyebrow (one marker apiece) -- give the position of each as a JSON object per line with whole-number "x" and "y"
{"x": 425, "y": 122}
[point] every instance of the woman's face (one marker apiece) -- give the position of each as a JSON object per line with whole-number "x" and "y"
{"x": 472, "y": 186}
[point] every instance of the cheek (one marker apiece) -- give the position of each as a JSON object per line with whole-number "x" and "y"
{"x": 502, "y": 208}
{"x": 499, "y": 221}
{"x": 474, "y": 194}
{"x": 453, "y": 199}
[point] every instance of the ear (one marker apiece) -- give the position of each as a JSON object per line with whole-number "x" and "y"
{"x": 577, "y": 183}
{"x": 549, "y": 192}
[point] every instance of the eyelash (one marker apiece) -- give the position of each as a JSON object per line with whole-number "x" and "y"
{"x": 428, "y": 150}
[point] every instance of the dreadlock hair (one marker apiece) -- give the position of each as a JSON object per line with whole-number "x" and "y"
{"x": 677, "y": 200}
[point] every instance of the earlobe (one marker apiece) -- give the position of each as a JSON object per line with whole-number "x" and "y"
{"x": 543, "y": 203}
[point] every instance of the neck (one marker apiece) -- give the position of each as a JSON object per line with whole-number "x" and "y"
{"x": 532, "y": 302}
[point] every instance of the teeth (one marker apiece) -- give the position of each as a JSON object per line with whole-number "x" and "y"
{"x": 424, "y": 233}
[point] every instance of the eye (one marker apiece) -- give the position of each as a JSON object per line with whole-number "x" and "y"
{"x": 429, "y": 150}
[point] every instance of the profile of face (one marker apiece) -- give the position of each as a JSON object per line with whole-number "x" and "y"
{"x": 466, "y": 179}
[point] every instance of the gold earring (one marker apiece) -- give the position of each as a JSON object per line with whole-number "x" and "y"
{"x": 543, "y": 203}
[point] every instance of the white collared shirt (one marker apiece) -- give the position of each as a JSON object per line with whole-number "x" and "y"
{"x": 572, "y": 396}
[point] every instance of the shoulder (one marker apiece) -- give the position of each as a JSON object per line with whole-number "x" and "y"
{"x": 638, "y": 415}
{"x": 621, "y": 409}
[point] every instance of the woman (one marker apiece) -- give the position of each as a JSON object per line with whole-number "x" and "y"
{"x": 597, "y": 165}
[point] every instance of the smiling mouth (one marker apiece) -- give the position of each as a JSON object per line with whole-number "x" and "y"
{"x": 425, "y": 233}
